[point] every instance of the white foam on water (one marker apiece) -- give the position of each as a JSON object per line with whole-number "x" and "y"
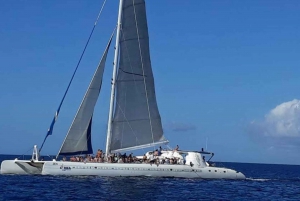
{"x": 258, "y": 179}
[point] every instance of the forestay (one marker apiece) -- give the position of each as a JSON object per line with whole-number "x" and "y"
{"x": 78, "y": 139}
{"x": 136, "y": 121}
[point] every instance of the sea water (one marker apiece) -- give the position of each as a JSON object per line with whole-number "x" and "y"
{"x": 264, "y": 182}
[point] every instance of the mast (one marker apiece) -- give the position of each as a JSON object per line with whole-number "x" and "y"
{"x": 113, "y": 82}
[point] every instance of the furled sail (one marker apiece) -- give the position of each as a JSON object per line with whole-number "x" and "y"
{"x": 78, "y": 139}
{"x": 136, "y": 122}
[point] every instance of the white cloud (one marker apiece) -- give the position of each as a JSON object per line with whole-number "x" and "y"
{"x": 280, "y": 126}
{"x": 283, "y": 120}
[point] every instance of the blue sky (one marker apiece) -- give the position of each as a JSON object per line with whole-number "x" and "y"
{"x": 226, "y": 71}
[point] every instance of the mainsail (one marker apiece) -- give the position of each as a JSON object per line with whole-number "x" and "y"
{"x": 136, "y": 122}
{"x": 78, "y": 139}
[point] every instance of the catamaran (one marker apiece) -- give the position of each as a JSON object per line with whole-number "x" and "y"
{"x": 133, "y": 121}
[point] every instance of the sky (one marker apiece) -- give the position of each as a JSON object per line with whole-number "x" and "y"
{"x": 226, "y": 74}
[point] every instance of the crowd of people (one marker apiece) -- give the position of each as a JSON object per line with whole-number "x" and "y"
{"x": 151, "y": 157}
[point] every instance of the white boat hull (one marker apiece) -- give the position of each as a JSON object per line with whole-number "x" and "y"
{"x": 21, "y": 167}
{"x": 127, "y": 169}
{"x": 194, "y": 167}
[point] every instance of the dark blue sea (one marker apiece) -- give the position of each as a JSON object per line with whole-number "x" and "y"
{"x": 264, "y": 182}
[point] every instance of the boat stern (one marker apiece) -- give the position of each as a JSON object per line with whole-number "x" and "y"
{"x": 240, "y": 175}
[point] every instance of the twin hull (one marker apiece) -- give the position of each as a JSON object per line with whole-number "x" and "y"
{"x": 116, "y": 169}
{"x": 21, "y": 167}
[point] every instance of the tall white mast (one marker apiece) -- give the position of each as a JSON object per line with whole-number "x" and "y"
{"x": 113, "y": 82}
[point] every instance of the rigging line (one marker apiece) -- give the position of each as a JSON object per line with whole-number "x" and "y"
{"x": 24, "y": 153}
{"x": 50, "y": 130}
{"x": 137, "y": 31}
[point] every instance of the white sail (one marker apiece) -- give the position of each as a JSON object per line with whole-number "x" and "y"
{"x": 136, "y": 121}
{"x": 78, "y": 139}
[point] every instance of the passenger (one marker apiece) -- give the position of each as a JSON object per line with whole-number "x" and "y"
{"x": 157, "y": 161}
{"x": 160, "y": 149}
{"x": 130, "y": 158}
{"x": 93, "y": 158}
{"x": 177, "y": 148}
{"x": 156, "y": 152}
{"x": 124, "y": 158}
{"x": 151, "y": 159}
{"x": 111, "y": 158}
{"x": 103, "y": 159}
{"x": 115, "y": 158}
{"x": 136, "y": 160}
{"x": 64, "y": 158}
{"x": 73, "y": 159}
{"x": 99, "y": 153}
{"x": 120, "y": 160}
{"x": 144, "y": 158}
{"x": 89, "y": 158}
